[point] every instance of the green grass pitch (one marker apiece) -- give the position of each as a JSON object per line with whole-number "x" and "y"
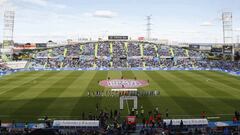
{"x": 63, "y": 94}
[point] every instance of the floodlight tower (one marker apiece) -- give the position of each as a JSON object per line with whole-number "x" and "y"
{"x": 227, "y": 27}
{"x": 8, "y": 29}
{"x": 228, "y": 30}
{"x": 149, "y": 24}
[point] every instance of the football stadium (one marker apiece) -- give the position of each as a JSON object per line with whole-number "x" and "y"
{"x": 119, "y": 84}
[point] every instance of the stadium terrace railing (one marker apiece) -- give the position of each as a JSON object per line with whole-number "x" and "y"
{"x": 2, "y": 73}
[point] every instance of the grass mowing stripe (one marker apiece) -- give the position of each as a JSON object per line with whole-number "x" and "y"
{"x": 85, "y": 81}
{"x": 68, "y": 98}
{"x": 166, "y": 101}
{"x": 173, "y": 94}
{"x": 11, "y": 93}
{"x": 226, "y": 76}
{"x": 195, "y": 92}
{"x": 219, "y": 78}
{"x": 144, "y": 101}
{"x": 215, "y": 92}
{"x": 113, "y": 102}
{"x": 230, "y": 90}
{"x": 15, "y": 77}
{"x": 202, "y": 95}
{"x": 37, "y": 106}
{"x": 6, "y": 80}
{"x": 19, "y": 100}
{"x": 108, "y": 99}
{"x": 88, "y": 104}
{"x": 177, "y": 91}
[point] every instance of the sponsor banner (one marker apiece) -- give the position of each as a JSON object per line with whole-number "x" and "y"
{"x": 123, "y": 83}
{"x": 223, "y": 124}
{"x": 188, "y": 122}
{"x": 16, "y": 64}
{"x": 36, "y": 125}
{"x": 7, "y": 125}
{"x": 75, "y": 123}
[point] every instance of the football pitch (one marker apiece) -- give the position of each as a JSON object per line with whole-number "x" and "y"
{"x": 64, "y": 94}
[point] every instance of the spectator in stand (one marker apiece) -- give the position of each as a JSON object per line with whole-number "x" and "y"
{"x": 121, "y": 54}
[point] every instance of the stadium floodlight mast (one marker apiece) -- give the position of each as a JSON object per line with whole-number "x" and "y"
{"x": 149, "y": 24}
{"x": 8, "y": 29}
{"x": 227, "y": 27}
{"x": 228, "y": 30}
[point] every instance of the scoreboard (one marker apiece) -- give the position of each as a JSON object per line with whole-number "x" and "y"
{"x": 227, "y": 49}
{"x": 194, "y": 47}
{"x": 117, "y": 37}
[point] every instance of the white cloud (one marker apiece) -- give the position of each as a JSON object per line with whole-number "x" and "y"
{"x": 101, "y": 14}
{"x": 207, "y": 24}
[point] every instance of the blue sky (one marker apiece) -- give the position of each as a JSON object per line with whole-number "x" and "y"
{"x": 176, "y": 20}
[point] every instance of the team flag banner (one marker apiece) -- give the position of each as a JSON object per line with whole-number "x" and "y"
{"x": 75, "y": 123}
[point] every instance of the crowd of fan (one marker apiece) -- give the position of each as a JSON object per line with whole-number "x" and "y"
{"x": 179, "y": 52}
{"x": 121, "y": 54}
{"x": 164, "y": 51}
{"x": 134, "y": 49}
{"x": 112, "y": 123}
{"x": 220, "y": 64}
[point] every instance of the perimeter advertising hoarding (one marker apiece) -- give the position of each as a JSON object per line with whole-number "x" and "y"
{"x": 227, "y": 49}
{"x": 117, "y": 37}
{"x": 189, "y": 122}
{"x": 76, "y": 123}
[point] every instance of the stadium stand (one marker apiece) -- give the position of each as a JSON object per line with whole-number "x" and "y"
{"x": 120, "y": 54}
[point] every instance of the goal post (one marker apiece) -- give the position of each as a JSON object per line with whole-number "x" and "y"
{"x": 125, "y": 98}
